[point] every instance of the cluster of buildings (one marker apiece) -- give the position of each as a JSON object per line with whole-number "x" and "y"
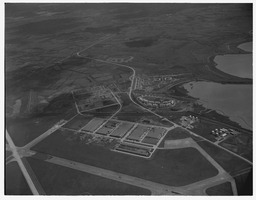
{"x": 187, "y": 121}
{"x": 143, "y": 82}
{"x": 92, "y": 99}
{"x": 131, "y": 138}
{"x": 156, "y": 104}
{"x": 146, "y": 82}
{"x": 222, "y": 133}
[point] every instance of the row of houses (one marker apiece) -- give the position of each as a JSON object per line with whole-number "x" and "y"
{"x": 187, "y": 121}
{"x": 158, "y": 104}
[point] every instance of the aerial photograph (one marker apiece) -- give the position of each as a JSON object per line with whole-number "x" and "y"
{"x": 128, "y": 99}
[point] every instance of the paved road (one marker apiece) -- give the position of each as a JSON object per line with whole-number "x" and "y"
{"x": 130, "y": 96}
{"x": 201, "y": 186}
{"x": 44, "y": 135}
{"x": 119, "y": 109}
{"x": 21, "y": 165}
{"x": 156, "y": 188}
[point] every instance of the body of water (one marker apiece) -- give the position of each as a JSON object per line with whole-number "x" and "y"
{"x": 239, "y": 64}
{"x": 234, "y": 101}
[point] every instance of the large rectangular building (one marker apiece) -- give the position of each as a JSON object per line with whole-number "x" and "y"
{"x": 156, "y": 132}
{"x": 138, "y": 132}
{"x": 108, "y": 127}
{"x": 93, "y": 124}
{"x": 141, "y": 151}
{"x": 122, "y": 129}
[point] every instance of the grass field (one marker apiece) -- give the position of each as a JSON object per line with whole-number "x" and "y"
{"x": 15, "y": 183}
{"x": 176, "y": 134}
{"x": 244, "y": 183}
{"x": 204, "y": 129}
{"x": 77, "y": 122}
{"x": 24, "y": 130}
{"x": 59, "y": 180}
{"x": 240, "y": 144}
{"x": 232, "y": 164}
{"x": 171, "y": 167}
{"x": 103, "y": 112}
{"x": 235, "y": 166}
{"x": 220, "y": 190}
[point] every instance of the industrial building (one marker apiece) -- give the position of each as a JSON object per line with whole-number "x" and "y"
{"x": 122, "y": 129}
{"x": 138, "y": 132}
{"x": 156, "y": 132}
{"x": 93, "y": 124}
{"x": 154, "y": 135}
{"x": 141, "y": 151}
{"x": 107, "y": 128}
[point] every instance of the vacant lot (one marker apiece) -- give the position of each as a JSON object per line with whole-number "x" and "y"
{"x": 171, "y": 167}
{"x": 15, "y": 183}
{"x": 59, "y": 180}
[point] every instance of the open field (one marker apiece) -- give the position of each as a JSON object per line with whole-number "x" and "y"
{"x": 178, "y": 133}
{"x": 77, "y": 122}
{"x": 15, "y": 182}
{"x": 25, "y": 130}
{"x": 232, "y": 164}
{"x": 240, "y": 144}
{"x": 179, "y": 166}
{"x": 222, "y": 189}
{"x": 103, "y": 112}
{"x": 52, "y": 50}
{"x": 205, "y": 128}
{"x": 236, "y": 167}
{"x": 54, "y": 179}
{"x": 244, "y": 183}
